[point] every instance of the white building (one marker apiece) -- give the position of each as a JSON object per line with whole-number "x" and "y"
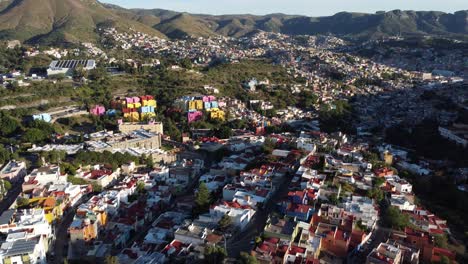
{"x": 46, "y": 175}
{"x": 240, "y": 215}
{"x": 28, "y": 219}
{"x": 21, "y": 249}
{"x": 400, "y": 201}
{"x": 306, "y": 144}
{"x": 68, "y": 66}
{"x": 13, "y": 171}
{"x": 401, "y": 185}
{"x": 363, "y": 209}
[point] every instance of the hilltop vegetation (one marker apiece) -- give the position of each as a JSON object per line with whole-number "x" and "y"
{"x": 58, "y": 21}
{"x": 358, "y": 26}
{"x": 73, "y": 21}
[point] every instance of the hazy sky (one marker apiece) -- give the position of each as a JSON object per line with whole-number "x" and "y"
{"x": 300, "y": 7}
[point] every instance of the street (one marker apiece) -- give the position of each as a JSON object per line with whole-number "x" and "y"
{"x": 11, "y": 196}
{"x": 241, "y": 242}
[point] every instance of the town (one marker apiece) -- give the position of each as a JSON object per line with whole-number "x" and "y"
{"x": 270, "y": 148}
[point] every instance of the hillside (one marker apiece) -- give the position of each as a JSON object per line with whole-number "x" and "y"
{"x": 359, "y": 26}
{"x": 59, "y": 21}
{"x": 183, "y": 24}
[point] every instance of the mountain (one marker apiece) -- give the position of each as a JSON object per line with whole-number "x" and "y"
{"x": 60, "y": 21}
{"x": 359, "y": 26}
{"x": 183, "y": 24}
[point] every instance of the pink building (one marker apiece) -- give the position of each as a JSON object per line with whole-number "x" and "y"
{"x": 98, "y": 110}
{"x": 129, "y": 100}
{"x": 194, "y": 116}
{"x": 208, "y": 98}
{"x": 136, "y": 99}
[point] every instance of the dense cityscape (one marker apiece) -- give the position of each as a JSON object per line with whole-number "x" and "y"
{"x": 263, "y": 148}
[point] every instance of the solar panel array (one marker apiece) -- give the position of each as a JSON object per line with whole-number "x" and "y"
{"x": 21, "y": 247}
{"x": 71, "y": 64}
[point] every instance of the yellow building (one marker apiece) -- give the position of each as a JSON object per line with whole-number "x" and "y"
{"x": 149, "y": 103}
{"x": 147, "y": 115}
{"x": 192, "y": 105}
{"x": 132, "y": 117}
{"x": 388, "y": 158}
{"x": 217, "y": 114}
{"x": 53, "y": 209}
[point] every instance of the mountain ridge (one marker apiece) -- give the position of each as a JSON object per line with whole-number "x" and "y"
{"x": 58, "y": 21}
{"x": 72, "y": 21}
{"x": 351, "y": 25}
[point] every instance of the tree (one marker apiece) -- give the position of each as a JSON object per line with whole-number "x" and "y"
{"x": 22, "y": 202}
{"x": 246, "y": 258}
{"x": 5, "y": 155}
{"x": 224, "y": 223}
{"x": 202, "y": 198}
{"x": 8, "y": 125}
{"x": 97, "y": 187}
{"x": 59, "y": 77}
{"x": 444, "y": 260}
{"x": 140, "y": 187}
{"x": 379, "y": 181}
{"x": 150, "y": 162}
{"x": 441, "y": 241}
{"x": 215, "y": 254}
{"x": 333, "y": 199}
{"x": 268, "y": 146}
{"x": 224, "y": 132}
{"x": 111, "y": 260}
{"x": 7, "y": 185}
{"x": 395, "y": 219}
{"x": 375, "y": 193}
{"x": 186, "y": 63}
{"x": 34, "y": 135}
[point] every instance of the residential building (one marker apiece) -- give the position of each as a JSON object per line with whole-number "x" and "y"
{"x": 13, "y": 171}
{"x": 67, "y": 67}
{"x": 385, "y": 254}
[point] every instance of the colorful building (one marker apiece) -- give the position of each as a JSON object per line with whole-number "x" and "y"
{"x": 97, "y": 110}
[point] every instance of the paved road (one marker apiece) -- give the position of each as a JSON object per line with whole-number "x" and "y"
{"x": 242, "y": 242}
{"x": 10, "y": 197}
{"x": 61, "y": 237}
{"x": 379, "y": 235}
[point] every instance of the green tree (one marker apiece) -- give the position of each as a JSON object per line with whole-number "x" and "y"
{"x": 34, "y": 135}
{"x": 246, "y": 258}
{"x": 214, "y": 254}
{"x": 140, "y": 187}
{"x": 22, "y": 202}
{"x": 202, "y": 198}
{"x": 224, "y": 223}
{"x": 444, "y": 260}
{"x": 224, "y": 132}
{"x": 378, "y": 181}
{"x": 111, "y": 260}
{"x": 5, "y": 155}
{"x": 149, "y": 162}
{"x": 7, "y": 185}
{"x": 8, "y": 125}
{"x": 441, "y": 241}
{"x": 395, "y": 219}
{"x": 268, "y": 146}
{"x": 333, "y": 199}
{"x": 97, "y": 187}
{"x": 375, "y": 193}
